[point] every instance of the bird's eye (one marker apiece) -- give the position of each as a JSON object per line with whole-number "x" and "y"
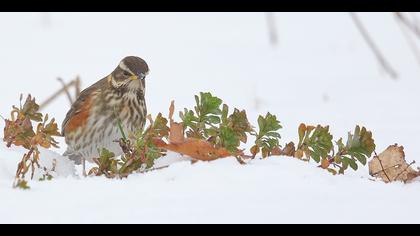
{"x": 126, "y": 73}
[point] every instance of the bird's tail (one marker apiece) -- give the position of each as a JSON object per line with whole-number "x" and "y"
{"x": 76, "y": 158}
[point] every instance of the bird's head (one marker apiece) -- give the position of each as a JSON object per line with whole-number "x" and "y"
{"x": 130, "y": 73}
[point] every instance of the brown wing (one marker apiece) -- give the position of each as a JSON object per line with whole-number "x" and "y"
{"x": 78, "y": 114}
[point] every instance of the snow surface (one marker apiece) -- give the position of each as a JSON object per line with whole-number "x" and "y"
{"x": 320, "y": 72}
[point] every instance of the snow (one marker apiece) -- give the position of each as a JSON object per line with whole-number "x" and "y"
{"x": 63, "y": 166}
{"x": 320, "y": 72}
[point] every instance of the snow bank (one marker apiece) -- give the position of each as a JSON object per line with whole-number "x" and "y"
{"x": 11, "y": 157}
{"x": 278, "y": 189}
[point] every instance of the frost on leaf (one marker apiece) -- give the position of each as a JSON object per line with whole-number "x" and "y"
{"x": 391, "y": 166}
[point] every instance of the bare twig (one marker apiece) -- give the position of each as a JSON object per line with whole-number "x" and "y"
{"x": 74, "y": 83}
{"x": 66, "y": 90}
{"x": 272, "y": 29}
{"x": 153, "y": 169}
{"x": 382, "y": 166}
{"x": 78, "y": 86}
{"x": 415, "y": 28}
{"x": 383, "y": 62}
{"x": 410, "y": 41}
{"x": 408, "y": 166}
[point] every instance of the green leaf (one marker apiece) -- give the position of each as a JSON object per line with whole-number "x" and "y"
{"x": 332, "y": 171}
{"x": 317, "y": 142}
{"x": 225, "y": 112}
{"x": 213, "y": 119}
{"x": 359, "y": 146}
{"x": 211, "y": 132}
{"x": 268, "y": 124}
{"x": 104, "y": 153}
{"x": 361, "y": 143}
{"x": 209, "y": 104}
{"x": 207, "y": 113}
{"x": 267, "y": 137}
{"x": 22, "y": 184}
{"x": 261, "y": 124}
{"x": 351, "y": 162}
{"x": 273, "y": 134}
{"x": 229, "y": 140}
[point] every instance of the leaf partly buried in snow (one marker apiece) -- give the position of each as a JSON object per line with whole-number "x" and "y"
{"x": 197, "y": 149}
{"x": 391, "y": 166}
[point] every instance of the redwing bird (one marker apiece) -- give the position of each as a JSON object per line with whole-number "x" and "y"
{"x": 93, "y": 120}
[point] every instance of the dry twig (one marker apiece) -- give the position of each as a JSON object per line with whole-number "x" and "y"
{"x": 65, "y": 89}
{"x": 382, "y": 61}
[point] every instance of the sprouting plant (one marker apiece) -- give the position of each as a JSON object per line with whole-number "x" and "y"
{"x": 211, "y": 121}
{"x": 201, "y": 122}
{"x": 359, "y": 147}
{"x": 267, "y": 138}
{"x": 140, "y": 152}
{"x": 316, "y": 143}
{"x": 19, "y": 131}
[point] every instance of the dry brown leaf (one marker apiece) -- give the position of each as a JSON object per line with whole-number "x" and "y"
{"x": 391, "y": 166}
{"x": 325, "y": 163}
{"x": 288, "y": 150}
{"x": 171, "y": 110}
{"x": 176, "y": 133}
{"x": 299, "y": 154}
{"x": 277, "y": 151}
{"x": 195, "y": 148}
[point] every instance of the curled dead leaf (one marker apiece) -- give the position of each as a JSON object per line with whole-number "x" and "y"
{"x": 299, "y": 154}
{"x": 288, "y": 150}
{"x": 391, "y": 166}
{"x": 195, "y": 148}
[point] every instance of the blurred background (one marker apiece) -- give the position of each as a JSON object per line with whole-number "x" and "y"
{"x": 316, "y": 68}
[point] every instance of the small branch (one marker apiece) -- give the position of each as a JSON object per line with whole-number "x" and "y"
{"x": 409, "y": 165}
{"x": 411, "y": 43}
{"x": 153, "y": 169}
{"x": 415, "y": 29}
{"x": 66, "y": 90}
{"x": 382, "y": 61}
{"x": 382, "y": 167}
{"x": 76, "y": 83}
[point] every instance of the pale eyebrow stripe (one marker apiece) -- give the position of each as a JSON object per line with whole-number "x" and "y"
{"x": 124, "y": 67}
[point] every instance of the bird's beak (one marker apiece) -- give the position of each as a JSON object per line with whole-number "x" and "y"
{"x": 134, "y": 77}
{"x": 143, "y": 75}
